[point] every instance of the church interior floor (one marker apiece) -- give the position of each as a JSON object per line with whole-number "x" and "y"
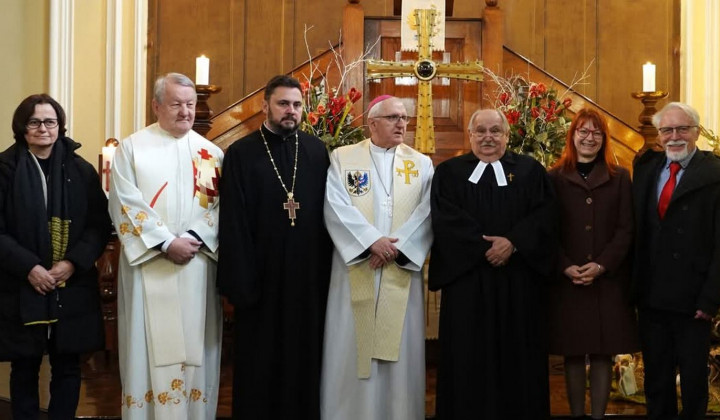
{"x": 100, "y": 391}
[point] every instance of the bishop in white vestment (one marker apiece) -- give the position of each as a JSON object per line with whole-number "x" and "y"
{"x": 164, "y": 204}
{"x": 377, "y": 212}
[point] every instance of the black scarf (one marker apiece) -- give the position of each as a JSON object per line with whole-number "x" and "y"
{"x": 43, "y": 229}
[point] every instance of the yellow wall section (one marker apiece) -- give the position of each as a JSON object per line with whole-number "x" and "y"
{"x": 24, "y": 48}
{"x": 89, "y": 35}
{"x": 129, "y": 84}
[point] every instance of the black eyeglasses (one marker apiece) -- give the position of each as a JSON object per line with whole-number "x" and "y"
{"x": 681, "y": 129}
{"x": 48, "y": 123}
{"x": 394, "y": 118}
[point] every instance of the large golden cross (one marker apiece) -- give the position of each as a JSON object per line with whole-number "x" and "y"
{"x": 425, "y": 69}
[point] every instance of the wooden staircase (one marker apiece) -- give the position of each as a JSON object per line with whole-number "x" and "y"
{"x": 626, "y": 140}
{"x": 245, "y": 115}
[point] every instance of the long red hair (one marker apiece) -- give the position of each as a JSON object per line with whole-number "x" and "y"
{"x": 568, "y": 159}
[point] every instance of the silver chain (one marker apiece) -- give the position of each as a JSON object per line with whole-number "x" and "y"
{"x": 292, "y": 189}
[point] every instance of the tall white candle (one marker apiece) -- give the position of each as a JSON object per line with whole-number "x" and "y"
{"x": 648, "y": 77}
{"x": 202, "y": 70}
{"x": 107, "y": 157}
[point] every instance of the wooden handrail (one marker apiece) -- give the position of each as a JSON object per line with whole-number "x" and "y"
{"x": 245, "y": 116}
{"x": 626, "y": 140}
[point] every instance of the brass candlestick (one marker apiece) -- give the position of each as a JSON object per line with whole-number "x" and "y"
{"x": 203, "y": 113}
{"x": 647, "y": 130}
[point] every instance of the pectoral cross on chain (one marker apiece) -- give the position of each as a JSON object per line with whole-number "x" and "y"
{"x": 291, "y": 205}
{"x": 388, "y": 204}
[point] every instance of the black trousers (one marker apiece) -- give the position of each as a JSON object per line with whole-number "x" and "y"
{"x": 64, "y": 387}
{"x": 669, "y": 340}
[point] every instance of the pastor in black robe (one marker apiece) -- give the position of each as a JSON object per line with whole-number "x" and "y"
{"x": 276, "y": 275}
{"x": 493, "y": 351}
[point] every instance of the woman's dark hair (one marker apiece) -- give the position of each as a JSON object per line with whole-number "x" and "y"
{"x": 27, "y": 108}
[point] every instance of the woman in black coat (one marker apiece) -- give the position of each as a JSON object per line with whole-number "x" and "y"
{"x": 590, "y": 311}
{"x": 53, "y": 226}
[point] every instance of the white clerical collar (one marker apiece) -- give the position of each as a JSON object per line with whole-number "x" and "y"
{"x": 480, "y": 168}
{"x": 169, "y": 134}
{"x": 379, "y": 149}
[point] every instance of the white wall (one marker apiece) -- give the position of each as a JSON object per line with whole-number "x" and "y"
{"x": 700, "y": 60}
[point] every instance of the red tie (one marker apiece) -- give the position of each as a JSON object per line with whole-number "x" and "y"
{"x": 668, "y": 189}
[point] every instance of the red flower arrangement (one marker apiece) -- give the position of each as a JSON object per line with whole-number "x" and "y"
{"x": 327, "y": 111}
{"x": 536, "y": 114}
{"x": 327, "y": 114}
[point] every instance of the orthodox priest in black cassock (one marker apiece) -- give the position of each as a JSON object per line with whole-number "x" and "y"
{"x": 493, "y": 355}
{"x": 276, "y": 274}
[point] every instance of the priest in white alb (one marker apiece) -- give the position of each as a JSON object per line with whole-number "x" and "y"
{"x": 377, "y": 212}
{"x": 164, "y": 204}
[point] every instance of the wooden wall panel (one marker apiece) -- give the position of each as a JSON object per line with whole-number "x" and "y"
{"x": 525, "y": 27}
{"x": 468, "y": 9}
{"x": 250, "y": 41}
{"x": 377, "y": 7}
{"x": 564, "y": 36}
{"x": 234, "y": 77}
{"x": 264, "y": 41}
{"x": 325, "y": 29}
{"x": 574, "y": 45}
{"x": 181, "y": 30}
{"x": 247, "y": 41}
{"x": 644, "y": 33}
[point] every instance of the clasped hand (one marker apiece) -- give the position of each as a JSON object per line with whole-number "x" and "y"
{"x": 500, "y": 250}
{"x": 383, "y": 252}
{"x": 584, "y": 275}
{"x": 45, "y": 281}
{"x": 182, "y": 250}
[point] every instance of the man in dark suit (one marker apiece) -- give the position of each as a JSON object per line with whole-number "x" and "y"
{"x": 677, "y": 262}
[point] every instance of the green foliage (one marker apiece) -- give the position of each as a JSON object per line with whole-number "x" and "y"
{"x": 536, "y": 114}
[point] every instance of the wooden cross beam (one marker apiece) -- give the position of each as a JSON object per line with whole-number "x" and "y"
{"x": 424, "y": 69}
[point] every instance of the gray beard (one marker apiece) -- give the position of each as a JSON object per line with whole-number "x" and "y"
{"x": 677, "y": 156}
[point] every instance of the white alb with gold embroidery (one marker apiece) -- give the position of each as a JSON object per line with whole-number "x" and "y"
{"x": 169, "y": 326}
{"x": 374, "y": 330}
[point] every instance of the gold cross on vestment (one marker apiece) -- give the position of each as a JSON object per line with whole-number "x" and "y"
{"x": 408, "y": 170}
{"x": 425, "y": 69}
{"x": 291, "y": 205}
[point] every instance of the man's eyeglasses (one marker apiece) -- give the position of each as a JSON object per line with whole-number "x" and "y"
{"x": 583, "y": 132}
{"x": 681, "y": 129}
{"x": 48, "y": 123}
{"x": 395, "y": 118}
{"x": 495, "y": 132}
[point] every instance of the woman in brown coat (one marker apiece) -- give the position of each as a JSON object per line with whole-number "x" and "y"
{"x": 590, "y": 313}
